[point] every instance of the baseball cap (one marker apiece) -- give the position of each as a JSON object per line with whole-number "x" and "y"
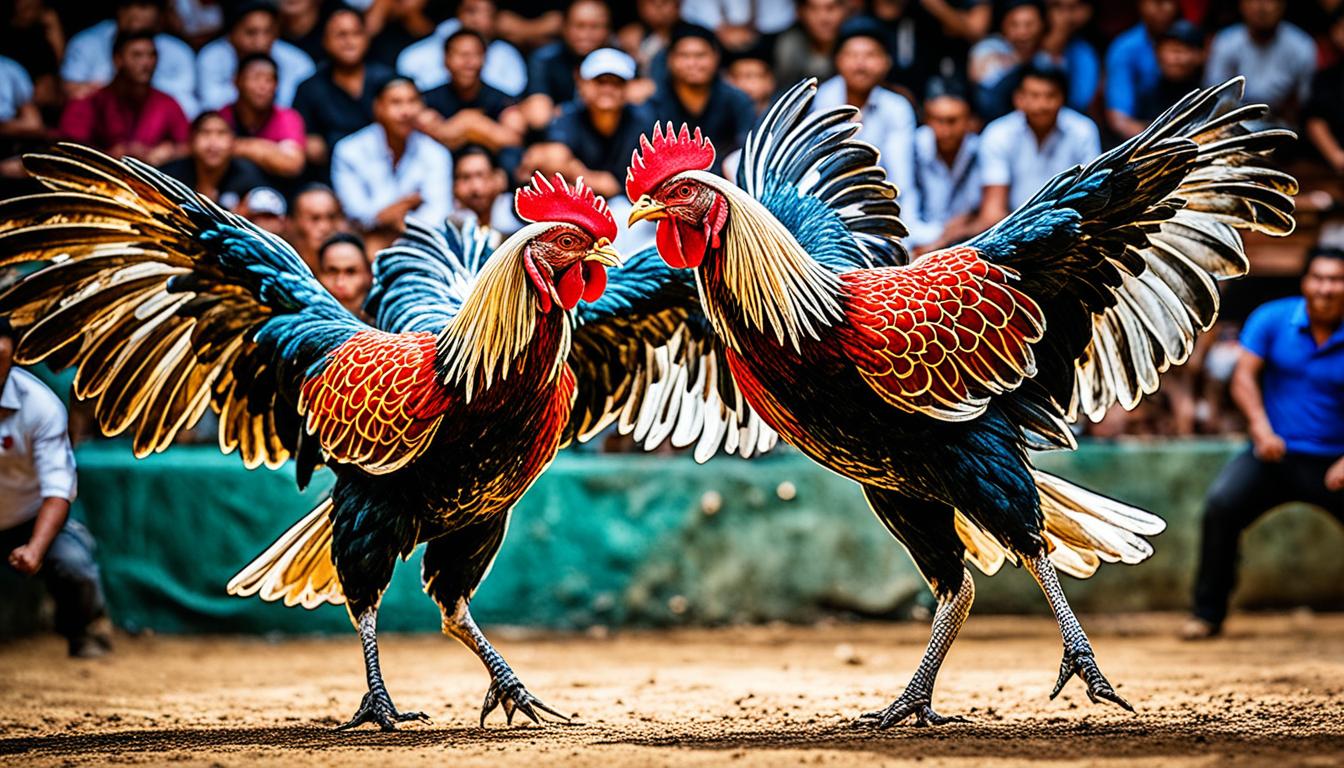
{"x": 1186, "y": 32}
{"x": 607, "y": 61}
{"x": 265, "y": 200}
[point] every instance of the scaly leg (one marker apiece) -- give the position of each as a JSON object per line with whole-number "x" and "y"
{"x": 505, "y": 688}
{"x": 917, "y": 699}
{"x": 1078, "y": 657}
{"x": 377, "y": 704}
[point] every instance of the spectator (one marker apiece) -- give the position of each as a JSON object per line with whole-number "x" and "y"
{"x": 1180, "y": 59}
{"x": 128, "y": 116}
{"x": 197, "y": 21}
{"x": 1288, "y": 382}
{"x": 316, "y": 216}
{"x": 952, "y": 27}
{"x": 995, "y": 62}
{"x": 551, "y": 69}
{"x": 1131, "y": 66}
{"x": 887, "y": 117}
{"x": 908, "y": 43}
{"x": 479, "y": 184}
{"x": 647, "y": 37}
{"x": 594, "y": 136}
{"x": 338, "y": 99}
{"x": 252, "y": 29}
{"x": 944, "y": 206}
{"x": 531, "y": 24}
{"x": 265, "y": 207}
{"x": 395, "y": 25}
{"x": 389, "y": 169}
{"x": 750, "y": 73}
{"x": 212, "y": 169}
{"x": 344, "y": 270}
{"x": 1277, "y": 58}
{"x": 1024, "y": 149}
{"x": 807, "y": 49}
{"x": 33, "y": 37}
{"x": 20, "y": 120}
{"x": 37, "y": 484}
{"x": 88, "y": 62}
{"x": 504, "y": 68}
{"x": 269, "y": 135}
{"x": 741, "y": 24}
{"x": 301, "y": 26}
{"x": 696, "y": 94}
{"x": 1064, "y": 45}
{"x": 1325, "y": 110}
{"x": 465, "y": 110}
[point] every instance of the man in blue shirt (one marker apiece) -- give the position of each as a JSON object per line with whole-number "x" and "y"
{"x": 1289, "y": 381}
{"x": 1131, "y": 65}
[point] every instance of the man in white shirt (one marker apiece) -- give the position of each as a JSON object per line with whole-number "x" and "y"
{"x": 740, "y": 23}
{"x": 1277, "y": 58}
{"x": 1026, "y": 148}
{"x": 945, "y": 205}
{"x": 87, "y": 65}
{"x": 388, "y": 169}
{"x": 253, "y": 28}
{"x": 37, "y": 484}
{"x": 505, "y": 68}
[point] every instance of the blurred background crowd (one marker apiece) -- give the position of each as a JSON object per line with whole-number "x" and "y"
{"x": 329, "y": 123}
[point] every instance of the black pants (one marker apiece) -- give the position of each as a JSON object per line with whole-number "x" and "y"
{"x": 1246, "y": 489}
{"x": 70, "y": 573}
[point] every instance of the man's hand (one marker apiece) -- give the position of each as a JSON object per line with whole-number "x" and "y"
{"x": 395, "y": 214}
{"x": 1267, "y": 445}
{"x": 26, "y": 559}
{"x": 1334, "y": 476}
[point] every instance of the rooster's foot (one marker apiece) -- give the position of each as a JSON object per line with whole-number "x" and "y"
{"x": 1079, "y": 661}
{"x": 512, "y": 696}
{"x": 911, "y": 702}
{"x": 377, "y": 708}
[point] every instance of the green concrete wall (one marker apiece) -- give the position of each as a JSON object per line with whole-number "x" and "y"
{"x": 656, "y": 540}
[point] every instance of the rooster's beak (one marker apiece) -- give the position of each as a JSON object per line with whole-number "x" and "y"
{"x": 647, "y": 208}
{"x": 603, "y": 253}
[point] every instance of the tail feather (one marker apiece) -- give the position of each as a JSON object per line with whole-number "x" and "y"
{"x": 297, "y": 568}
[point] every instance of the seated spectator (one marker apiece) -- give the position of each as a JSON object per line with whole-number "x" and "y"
{"x": 1131, "y": 66}
{"x": 19, "y": 117}
{"x": 1324, "y": 113}
{"x": 504, "y": 68}
{"x": 695, "y": 94}
{"x": 750, "y": 73}
{"x": 1066, "y": 21}
{"x": 465, "y": 110}
{"x": 1180, "y": 59}
{"x": 1024, "y": 149}
{"x": 197, "y": 21}
{"x": 551, "y": 69}
{"x": 901, "y": 25}
{"x": 1277, "y": 58}
{"x": 33, "y": 37}
{"x": 87, "y": 65}
{"x": 301, "y": 26}
{"x": 211, "y": 169}
{"x": 265, "y": 207}
{"x": 128, "y": 116}
{"x": 807, "y": 49}
{"x": 646, "y": 38}
{"x": 943, "y": 206}
{"x": 479, "y": 184}
{"x": 315, "y": 216}
{"x": 395, "y": 25}
{"x": 252, "y": 28}
{"x": 741, "y": 24}
{"x": 594, "y": 136}
{"x": 338, "y": 99}
{"x": 887, "y": 117}
{"x": 389, "y": 169}
{"x": 269, "y": 135}
{"x": 996, "y": 62}
{"x": 344, "y": 270}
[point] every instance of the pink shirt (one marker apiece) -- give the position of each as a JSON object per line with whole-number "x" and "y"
{"x": 103, "y": 120}
{"x": 284, "y": 124}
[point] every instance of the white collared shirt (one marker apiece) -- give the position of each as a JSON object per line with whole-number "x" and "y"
{"x": 939, "y": 192}
{"x": 888, "y": 124}
{"x": 88, "y": 59}
{"x": 16, "y": 88}
{"x": 367, "y": 181}
{"x": 422, "y": 61}
{"x": 1010, "y": 154}
{"x": 36, "y": 461}
{"x": 769, "y": 16}
{"x": 215, "y": 66}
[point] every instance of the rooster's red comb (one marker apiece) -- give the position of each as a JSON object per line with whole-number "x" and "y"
{"x": 547, "y": 200}
{"x": 667, "y": 155}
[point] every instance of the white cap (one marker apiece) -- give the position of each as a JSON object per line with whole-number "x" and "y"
{"x": 266, "y": 200}
{"x": 607, "y": 61}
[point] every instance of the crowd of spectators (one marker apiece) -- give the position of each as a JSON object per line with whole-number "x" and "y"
{"x": 330, "y": 122}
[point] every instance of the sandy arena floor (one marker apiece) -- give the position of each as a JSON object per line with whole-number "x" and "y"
{"x": 1271, "y": 693}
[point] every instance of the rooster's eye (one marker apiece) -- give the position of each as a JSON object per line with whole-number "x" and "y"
{"x": 567, "y": 242}
{"x": 684, "y": 191}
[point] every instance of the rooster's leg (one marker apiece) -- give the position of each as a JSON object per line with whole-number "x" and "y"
{"x": 377, "y": 704}
{"x": 1078, "y": 656}
{"x": 917, "y": 699}
{"x": 506, "y": 689}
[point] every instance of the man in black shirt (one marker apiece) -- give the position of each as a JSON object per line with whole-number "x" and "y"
{"x": 465, "y": 110}
{"x": 211, "y": 169}
{"x": 338, "y": 99}
{"x": 695, "y": 94}
{"x": 551, "y": 68}
{"x": 1180, "y": 58}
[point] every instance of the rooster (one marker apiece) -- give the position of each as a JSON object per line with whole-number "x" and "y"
{"x": 434, "y": 425}
{"x": 927, "y": 383}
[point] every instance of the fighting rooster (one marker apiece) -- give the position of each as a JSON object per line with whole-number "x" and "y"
{"x": 927, "y": 383}
{"x": 434, "y": 426}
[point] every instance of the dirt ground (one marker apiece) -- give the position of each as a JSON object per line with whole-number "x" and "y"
{"x": 1271, "y": 692}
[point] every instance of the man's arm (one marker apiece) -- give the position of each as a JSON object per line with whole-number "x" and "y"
{"x": 27, "y": 559}
{"x": 54, "y": 465}
{"x": 970, "y": 24}
{"x": 1248, "y": 396}
{"x": 278, "y": 158}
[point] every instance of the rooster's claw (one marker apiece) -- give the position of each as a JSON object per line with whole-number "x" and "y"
{"x": 377, "y": 708}
{"x": 514, "y": 697}
{"x": 1080, "y": 661}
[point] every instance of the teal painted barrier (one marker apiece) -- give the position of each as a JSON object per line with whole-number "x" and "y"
{"x": 624, "y": 540}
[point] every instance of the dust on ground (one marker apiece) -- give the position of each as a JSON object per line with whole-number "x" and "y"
{"x": 1271, "y": 692}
